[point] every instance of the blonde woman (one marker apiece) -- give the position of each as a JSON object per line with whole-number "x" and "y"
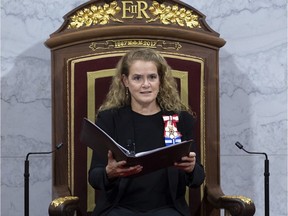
{"x": 143, "y": 111}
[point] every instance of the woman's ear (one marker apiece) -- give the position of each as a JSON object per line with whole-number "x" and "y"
{"x": 125, "y": 80}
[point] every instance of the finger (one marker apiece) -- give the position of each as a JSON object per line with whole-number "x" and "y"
{"x": 185, "y": 158}
{"x": 112, "y": 160}
{"x": 131, "y": 170}
{"x": 186, "y": 166}
{"x": 182, "y": 164}
{"x": 191, "y": 157}
{"x": 121, "y": 164}
{"x": 192, "y": 154}
{"x": 110, "y": 156}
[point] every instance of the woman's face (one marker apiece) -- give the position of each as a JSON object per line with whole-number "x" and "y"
{"x": 143, "y": 83}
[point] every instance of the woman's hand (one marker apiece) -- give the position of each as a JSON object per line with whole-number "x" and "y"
{"x": 116, "y": 169}
{"x": 187, "y": 163}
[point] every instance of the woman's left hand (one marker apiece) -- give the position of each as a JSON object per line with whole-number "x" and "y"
{"x": 187, "y": 163}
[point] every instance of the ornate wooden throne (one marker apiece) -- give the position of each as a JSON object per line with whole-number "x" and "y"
{"x": 85, "y": 50}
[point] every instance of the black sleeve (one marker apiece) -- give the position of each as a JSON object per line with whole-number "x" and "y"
{"x": 187, "y": 128}
{"x": 196, "y": 177}
{"x": 97, "y": 173}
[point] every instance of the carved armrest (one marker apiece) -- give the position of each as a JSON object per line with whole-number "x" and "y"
{"x": 236, "y": 205}
{"x": 64, "y": 204}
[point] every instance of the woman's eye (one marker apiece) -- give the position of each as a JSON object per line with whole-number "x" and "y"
{"x": 137, "y": 78}
{"x": 154, "y": 76}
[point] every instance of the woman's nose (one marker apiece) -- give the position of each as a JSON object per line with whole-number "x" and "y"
{"x": 146, "y": 82}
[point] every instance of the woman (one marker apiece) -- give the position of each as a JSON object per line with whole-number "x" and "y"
{"x": 143, "y": 111}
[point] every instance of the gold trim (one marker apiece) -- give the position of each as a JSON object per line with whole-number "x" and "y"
{"x": 70, "y": 124}
{"x": 103, "y": 14}
{"x": 70, "y": 112}
{"x": 183, "y": 76}
{"x": 95, "y": 15}
{"x": 91, "y": 77}
{"x": 242, "y": 198}
{"x": 90, "y": 199}
{"x": 70, "y": 99}
{"x": 123, "y": 43}
{"x": 59, "y": 201}
{"x": 174, "y": 15}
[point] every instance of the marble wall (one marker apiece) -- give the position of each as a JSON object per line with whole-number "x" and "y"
{"x": 253, "y": 98}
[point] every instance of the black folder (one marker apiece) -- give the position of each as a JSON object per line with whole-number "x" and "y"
{"x": 99, "y": 141}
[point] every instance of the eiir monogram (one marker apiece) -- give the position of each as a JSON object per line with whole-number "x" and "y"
{"x": 130, "y": 10}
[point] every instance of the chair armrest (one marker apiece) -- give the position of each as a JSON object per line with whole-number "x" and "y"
{"x": 236, "y": 205}
{"x": 64, "y": 204}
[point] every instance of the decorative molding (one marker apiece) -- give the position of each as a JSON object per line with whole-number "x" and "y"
{"x": 243, "y": 198}
{"x": 95, "y": 15}
{"x": 136, "y": 11}
{"x": 59, "y": 201}
{"x": 173, "y": 15}
{"x": 135, "y": 43}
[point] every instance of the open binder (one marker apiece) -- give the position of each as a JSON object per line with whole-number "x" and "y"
{"x": 98, "y": 140}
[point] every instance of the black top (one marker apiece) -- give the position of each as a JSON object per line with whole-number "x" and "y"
{"x": 126, "y": 127}
{"x": 149, "y": 191}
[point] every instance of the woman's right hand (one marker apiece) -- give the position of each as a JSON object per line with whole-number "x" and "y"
{"x": 116, "y": 169}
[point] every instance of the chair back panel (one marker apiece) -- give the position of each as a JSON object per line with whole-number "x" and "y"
{"x": 88, "y": 80}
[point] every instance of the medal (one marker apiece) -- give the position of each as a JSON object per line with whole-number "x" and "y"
{"x": 171, "y": 133}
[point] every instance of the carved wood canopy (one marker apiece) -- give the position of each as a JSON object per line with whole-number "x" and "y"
{"x": 174, "y": 19}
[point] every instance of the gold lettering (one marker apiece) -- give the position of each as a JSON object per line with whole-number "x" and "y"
{"x": 142, "y": 10}
{"x": 126, "y": 8}
{"x": 134, "y": 9}
{"x": 138, "y": 9}
{"x": 134, "y": 43}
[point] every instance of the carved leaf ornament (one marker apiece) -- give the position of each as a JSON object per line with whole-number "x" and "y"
{"x": 101, "y": 15}
{"x": 174, "y": 15}
{"x": 95, "y": 15}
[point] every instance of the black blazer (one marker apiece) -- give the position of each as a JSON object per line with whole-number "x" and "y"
{"x": 118, "y": 124}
